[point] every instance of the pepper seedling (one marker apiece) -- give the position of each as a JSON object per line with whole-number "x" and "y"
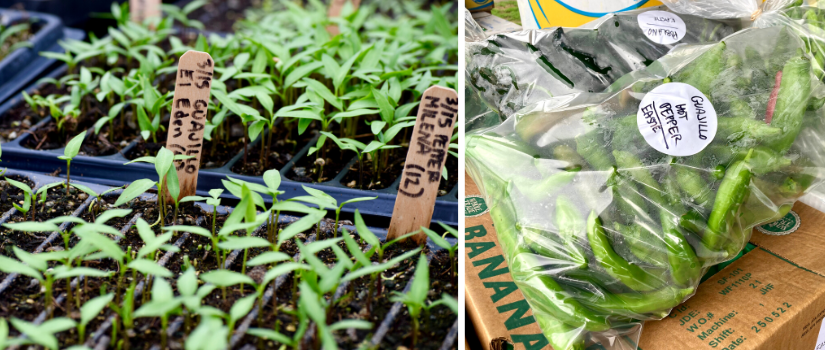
{"x": 416, "y": 298}
{"x": 441, "y": 242}
{"x": 27, "y": 197}
{"x": 71, "y": 150}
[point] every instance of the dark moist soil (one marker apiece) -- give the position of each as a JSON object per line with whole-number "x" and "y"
{"x": 24, "y": 300}
{"x": 280, "y": 153}
{"x": 221, "y": 15}
{"x": 22, "y": 35}
{"x": 20, "y": 118}
{"x": 57, "y": 204}
{"x": 306, "y": 169}
{"x": 452, "y": 176}
{"x": 387, "y": 173}
{"x": 216, "y": 153}
{"x": 434, "y": 324}
{"x": 48, "y": 136}
{"x": 10, "y": 193}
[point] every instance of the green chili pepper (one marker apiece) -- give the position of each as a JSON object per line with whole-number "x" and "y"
{"x": 559, "y": 335}
{"x": 631, "y": 275}
{"x": 542, "y": 189}
{"x": 740, "y": 109}
{"x": 643, "y": 243}
{"x": 571, "y": 226}
{"x": 729, "y": 197}
{"x": 591, "y": 147}
{"x": 692, "y": 184}
{"x": 791, "y": 102}
{"x": 547, "y": 295}
{"x": 734, "y": 129}
{"x": 684, "y": 264}
{"x": 703, "y": 70}
{"x": 634, "y": 304}
{"x": 569, "y": 155}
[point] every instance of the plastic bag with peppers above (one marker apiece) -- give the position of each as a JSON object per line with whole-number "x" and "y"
{"x": 610, "y": 206}
{"x": 513, "y": 70}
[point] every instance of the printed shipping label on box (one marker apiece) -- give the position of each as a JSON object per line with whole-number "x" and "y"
{"x": 771, "y": 298}
{"x": 538, "y": 14}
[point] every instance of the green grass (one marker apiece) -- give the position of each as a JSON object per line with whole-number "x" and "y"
{"x": 508, "y": 10}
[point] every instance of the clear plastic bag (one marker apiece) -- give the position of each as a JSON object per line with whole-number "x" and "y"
{"x": 513, "y": 70}
{"x": 727, "y": 9}
{"x": 472, "y": 30}
{"x": 602, "y": 230}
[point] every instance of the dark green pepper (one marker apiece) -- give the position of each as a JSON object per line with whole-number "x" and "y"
{"x": 729, "y": 198}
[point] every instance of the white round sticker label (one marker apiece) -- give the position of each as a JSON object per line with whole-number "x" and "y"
{"x": 662, "y": 27}
{"x": 677, "y": 119}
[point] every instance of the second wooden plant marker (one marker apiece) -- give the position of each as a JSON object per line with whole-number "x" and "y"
{"x": 188, "y": 120}
{"x": 430, "y": 141}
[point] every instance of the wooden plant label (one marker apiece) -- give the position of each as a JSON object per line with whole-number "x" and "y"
{"x": 335, "y": 11}
{"x": 143, "y": 9}
{"x": 429, "y": 143}
{"x": 188, "y": 119}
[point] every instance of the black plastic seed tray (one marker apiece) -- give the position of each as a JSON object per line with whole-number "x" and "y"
{"x": 19, "y": 68}
{"x": 111, "y": 171}
{"x": 98, "y": 337}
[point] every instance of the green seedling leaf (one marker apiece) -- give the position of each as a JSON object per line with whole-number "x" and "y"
{"x": 387, "y": 111}
{"x": 103, "y": 243}
{"x": 134, "y": 190}
{"x": 227, "y": 229}
{"x": 269, "y": 334}
{"x": 299, "y": 226}
{"x": 242, "y": 307}
{"x": 309, "y": 302}
{"x": 22, "y": 186}
{"x": 173, "y": 185}
{"x": 149, "y": 267}
{"x": 234, "y": 242}
{"x": 8, "y": 265}
{"x": 324, "y": 92}
{"x": 364, "y": 232}
{"x": 200, "y": 231}
{"x": 358, "y": 199}
{"x": 268, "y": 258}
{"x": 31, "y": 226}
{"x": 155, "y": 244}
{"x": 318, "y": 246}
{"x": 93, "y": 307}
{"x": 83, "y": 188}
{"x": 226, "y": 278}
{"x": 367, "y": 270}
{"x": 437, "y": 239}
{"x": 272, "y": 179}
{"x": 73, "y": 147}
{"x": 282, "y": 269}
{"x": 31, "y": 259}
{"x": 351, "y": 324}
{"x": 355, "y": 249}
{"x": 451, "y": 230}
{"x": 164, "y": 162}
{"x": 192, "y": 199}
{"x": 188, "y": 283}
{"x": 79, "y": 271}
{"x": 301, "y": 72}
{"x": 112, "y": 213}
{"x": 447, "y": 301}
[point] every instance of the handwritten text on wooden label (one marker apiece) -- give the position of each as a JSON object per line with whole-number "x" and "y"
{"x": 140, "y": 10}
{"x": 188, "y": 120}
{"x": 429, "y": 145}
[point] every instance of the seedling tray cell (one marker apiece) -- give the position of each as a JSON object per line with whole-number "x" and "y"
{"x": 111, "y": 171}
{"x": 25, "y": 64}
{"x": 99, "y": 336}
